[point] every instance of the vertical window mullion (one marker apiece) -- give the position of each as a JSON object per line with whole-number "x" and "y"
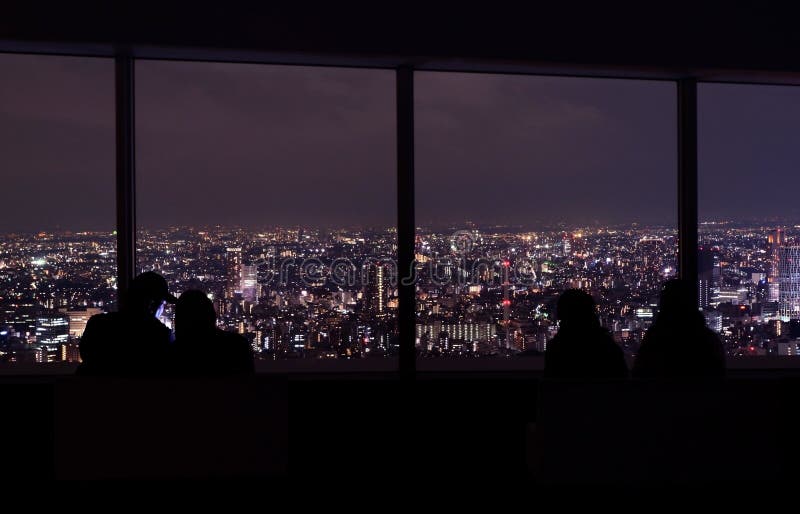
{"x": 687, "y": 181}
{"x": 405, "y": 219}
{"x": 126, "y": 178}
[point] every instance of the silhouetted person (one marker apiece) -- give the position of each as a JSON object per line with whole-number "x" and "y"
{"x": 132, "y": 341}
{"x": 678, "y": 344}
{"x": 582, "y": 348}
{"x": 201, "y": 347}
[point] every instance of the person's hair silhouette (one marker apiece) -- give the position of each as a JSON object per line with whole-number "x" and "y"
{"x": 194, "y": 315}
{"x": 202, "y": 348}
{"x": 582, "y": 348}
{"x": 679, "y": 344}
{"x": 576, "y": 309}
{"x": 132, "y": 341}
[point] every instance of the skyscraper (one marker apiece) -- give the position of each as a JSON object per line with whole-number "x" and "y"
{"x": 566, "y": 242}
{"x": 375, "y": 290}
{"x": 775, "y": 241}
{"x": 705, "y": 276}
{"x": 79, "y": 318}
{"x": 788, "y": 281}
{"x": 52, "y": 331}
{"x": 233, "y": 267}
{"x": 249, "y": 285}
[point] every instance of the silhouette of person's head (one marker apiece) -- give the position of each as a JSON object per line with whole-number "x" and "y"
{"x": 677, "y": 302}
{"x": 147, "y": 294}
{"x": 576, "y": 310}
{"x": 194, "y": 315}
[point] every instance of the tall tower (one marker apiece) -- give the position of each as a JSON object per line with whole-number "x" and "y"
{"x": 376, "y": 288}
{"x": 705, "y": 275}
{"x": 506, "y": 303}
{"x": 775, "y": 240}
{"x": 249, "y": 286}
{"x": 788, "y": 281}
{"x": 233, "y": 272}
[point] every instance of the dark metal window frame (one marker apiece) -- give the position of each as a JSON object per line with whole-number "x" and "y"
{"x": 125, "y": 60}
{"x": 406, "y": 227}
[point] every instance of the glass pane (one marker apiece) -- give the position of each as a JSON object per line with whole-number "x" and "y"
{"x": 272, "y": 189}
{"x": 57, "y": 242}
{"x": 749, "y": 230}
{"x": 527, "y": 186}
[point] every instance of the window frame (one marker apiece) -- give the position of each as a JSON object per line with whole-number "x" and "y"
{"x": 686, "y": 83}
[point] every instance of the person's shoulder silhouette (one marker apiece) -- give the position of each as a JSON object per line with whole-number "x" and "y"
{"x": 132, "y": 340}
{"x": 582, "y": 349}
{"x": 202, "y": 348}
{"x": 678, "y": 344}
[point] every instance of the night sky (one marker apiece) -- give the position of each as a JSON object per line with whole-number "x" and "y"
{"x": 261, "y": 145}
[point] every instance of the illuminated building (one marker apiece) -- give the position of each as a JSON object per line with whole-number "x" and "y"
{"x": 249, "y": 285}
{"x": 775, "y": 241}
{"x": 233, "y": 268}
{"x": 52, "y": 331}
{"x": 789, "y": 348}
{"x": 705, "y": 276}
{"x": 788, "y": 280}
{"x": 714, "y": 321}
{"x": 70, "y": 352}
{"x": 79, "y": 318}
{"x": 376, "y": 288}
{"x": 458, "y": 331}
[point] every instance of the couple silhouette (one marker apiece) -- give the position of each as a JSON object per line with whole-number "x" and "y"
{"x": 133, "y": 341}
{"x": 677, "y": 345}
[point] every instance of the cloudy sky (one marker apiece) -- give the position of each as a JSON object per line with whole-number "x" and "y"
{"x": 265, "y": 145}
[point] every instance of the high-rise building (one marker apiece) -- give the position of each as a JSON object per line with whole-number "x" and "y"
{"x": 775, "y": 240}
{"x": 788, "y": 348}
{"x": 705, "y": 276}
{"x": 566, "y": 242}
{"x": 52, "y": 330}
{"x": 376, "y": 288}
{"x": 714, "y": 321}
{"x": 249, "y": 285}
{"x": 70, "y": 352}
{"x": 459, "y": 331}
{"x": 788, "y": 281}
{"x": 233, "y": 268}
{"x": 79, "y": 318}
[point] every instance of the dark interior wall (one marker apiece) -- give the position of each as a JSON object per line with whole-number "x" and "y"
{"x": 649, "y": 35}
{"x": 376, "y": 429}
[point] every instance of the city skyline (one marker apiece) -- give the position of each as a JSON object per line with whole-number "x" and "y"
{"x": 525, "y": 186}
{"x": 305, "y": 293}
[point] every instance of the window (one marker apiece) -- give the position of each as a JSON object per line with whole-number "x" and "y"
{"x": 527, "y": 186}
{"x": 749, "y": 280}
{"x": 57, "y": 240}
{"x": 273, "y": 189}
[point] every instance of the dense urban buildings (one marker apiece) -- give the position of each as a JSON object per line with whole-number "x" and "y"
{"x": 331, "y": 294}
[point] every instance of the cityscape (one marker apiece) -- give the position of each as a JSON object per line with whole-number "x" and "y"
{"x": 482, "y": 291}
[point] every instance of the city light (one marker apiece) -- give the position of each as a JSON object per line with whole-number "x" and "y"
{"x": 262, "y": 287}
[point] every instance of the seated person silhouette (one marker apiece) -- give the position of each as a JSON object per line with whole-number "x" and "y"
{"x": 131, "y": 341}
{"x": 582, "y": 349}
{"x": 203, "y": 349}
{"x": 678, "y": 344}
